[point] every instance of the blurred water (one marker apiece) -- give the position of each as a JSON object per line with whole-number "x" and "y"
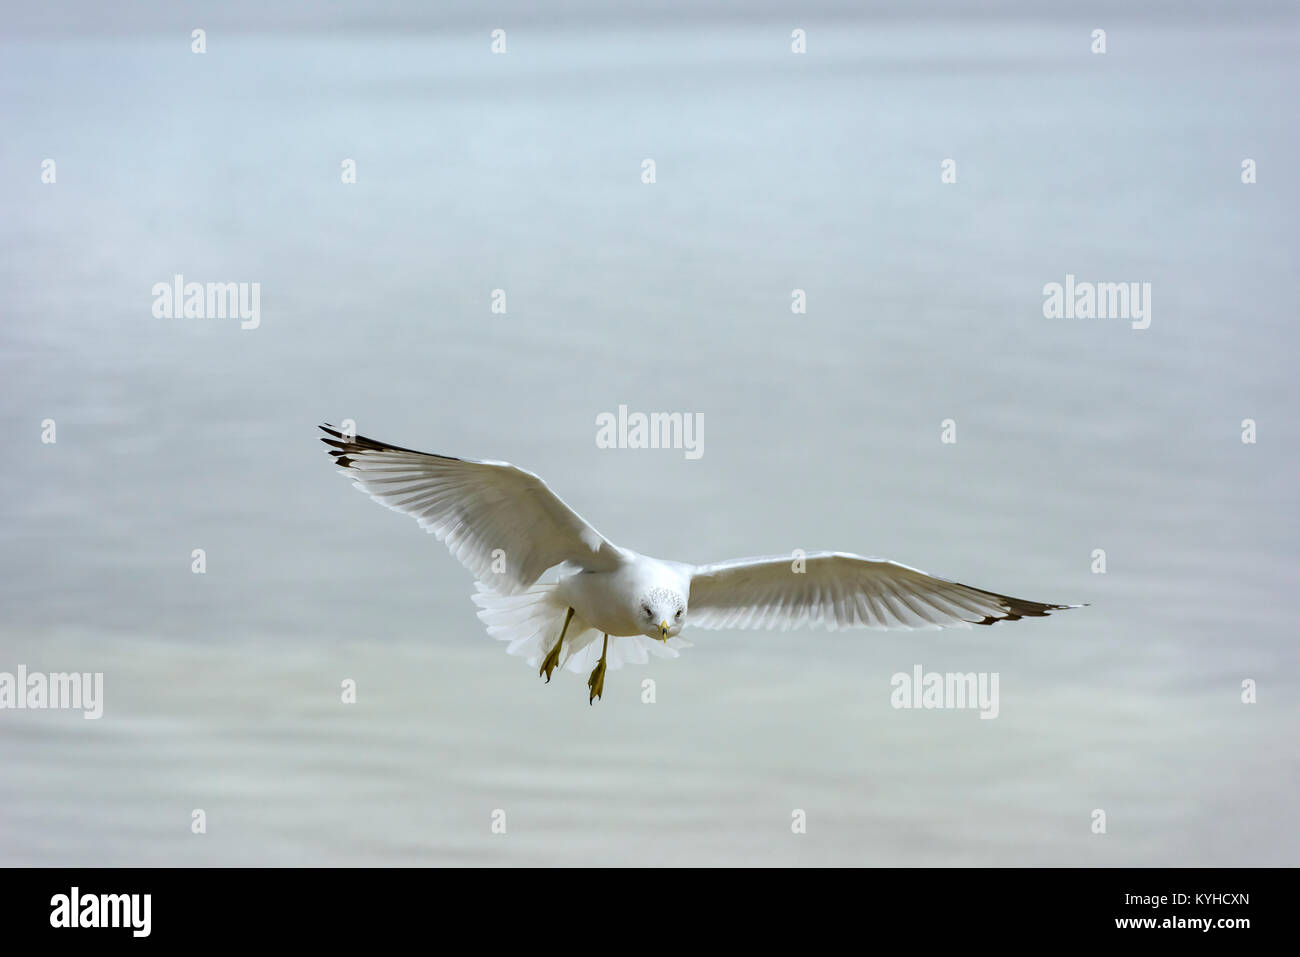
{"x": 775, "y": 172}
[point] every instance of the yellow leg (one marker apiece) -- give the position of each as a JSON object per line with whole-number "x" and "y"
{"x": 553, "y": 658}
{"x": 597, "y": 680}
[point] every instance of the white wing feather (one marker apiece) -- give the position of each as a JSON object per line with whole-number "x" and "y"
{"x": 840, "y": 590}
{"x": 476, "y": 507}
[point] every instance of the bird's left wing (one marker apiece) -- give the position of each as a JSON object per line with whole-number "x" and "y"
{"x": 476, "y": 508}
{"x": 839, "y": 590}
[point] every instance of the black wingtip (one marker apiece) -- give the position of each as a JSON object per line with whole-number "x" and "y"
{"x": 1018, "y": 608}
{"x": 341, "y": 444}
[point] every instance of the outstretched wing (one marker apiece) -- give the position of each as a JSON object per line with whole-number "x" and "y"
{"x": 839, "y": 590}
{"x": 476, "y": 508}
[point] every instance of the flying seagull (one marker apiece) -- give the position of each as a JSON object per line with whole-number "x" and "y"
{"x": 507, "y": 527}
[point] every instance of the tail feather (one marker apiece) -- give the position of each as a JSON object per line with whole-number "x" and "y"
{"x": 531, "y": 622}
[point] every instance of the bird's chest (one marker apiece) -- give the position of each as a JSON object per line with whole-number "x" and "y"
{"x": 606, "y": 601}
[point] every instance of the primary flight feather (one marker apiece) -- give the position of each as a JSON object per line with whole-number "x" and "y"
{"x": 508, "y": 528}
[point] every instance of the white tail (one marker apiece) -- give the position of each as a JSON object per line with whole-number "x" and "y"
{"x": 530, "y": 621}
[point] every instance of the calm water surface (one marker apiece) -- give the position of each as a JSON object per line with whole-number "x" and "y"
{"x": 774, "y": 172}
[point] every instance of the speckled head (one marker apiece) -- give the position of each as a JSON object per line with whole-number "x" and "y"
{"x": 664, "y": 612}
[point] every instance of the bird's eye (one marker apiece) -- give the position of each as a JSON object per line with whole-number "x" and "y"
{"x": 648, "y": 612}
{"x": 679, "y": 613}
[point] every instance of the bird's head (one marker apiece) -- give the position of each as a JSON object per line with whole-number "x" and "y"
{"x": 662, "y": 613}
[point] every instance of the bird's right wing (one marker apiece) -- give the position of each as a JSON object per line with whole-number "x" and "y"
{"x": 839, "y": 590}
{"x": 476, "y": 508}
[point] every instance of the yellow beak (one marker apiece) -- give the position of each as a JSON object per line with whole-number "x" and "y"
{"x": 663, "y": 630}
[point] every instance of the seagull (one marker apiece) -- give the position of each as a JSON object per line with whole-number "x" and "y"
{"x": 508, "y": 528}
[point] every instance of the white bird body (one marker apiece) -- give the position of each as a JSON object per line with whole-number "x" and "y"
{"x": 508, "y": 528}
{"x": 595, "y": 596}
